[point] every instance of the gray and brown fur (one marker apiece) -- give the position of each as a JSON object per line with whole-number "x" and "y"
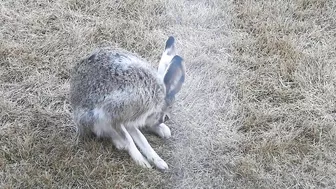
{"x": 114, "y": 93}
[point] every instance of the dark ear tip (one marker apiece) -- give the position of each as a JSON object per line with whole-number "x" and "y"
{"x": 170, "y": 42}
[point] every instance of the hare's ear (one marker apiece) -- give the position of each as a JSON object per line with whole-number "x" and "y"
{"x": 174, "y": 77}
{"x": 167, "y": 55}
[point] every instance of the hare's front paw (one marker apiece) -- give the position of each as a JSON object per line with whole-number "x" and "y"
{"x": 165, "y": 131}
{"x": 162, "y": 130}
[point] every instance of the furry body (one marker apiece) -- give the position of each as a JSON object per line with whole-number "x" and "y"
{"x": 114, "y": 93}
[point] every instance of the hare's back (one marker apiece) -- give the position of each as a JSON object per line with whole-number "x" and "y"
{"x": 109, "y": 72}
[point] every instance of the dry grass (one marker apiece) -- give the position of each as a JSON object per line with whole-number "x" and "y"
{"x": 286, "y": 52}
{"x": 258, "y": 109}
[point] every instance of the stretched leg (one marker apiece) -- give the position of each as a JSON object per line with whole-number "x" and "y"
{"x": 161, "y": 130}
{"x": 120, "y": 138}
{"x": 132, "y": 149}
{"x": 145, "y": 147}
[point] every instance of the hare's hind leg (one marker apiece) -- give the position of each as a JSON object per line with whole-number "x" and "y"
{"x": 132, "y": 150}
{"x": 146, "y": 149}
{"x": 120, "y": 138}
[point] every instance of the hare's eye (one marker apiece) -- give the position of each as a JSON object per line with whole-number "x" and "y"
{"x": 165, "y": 118}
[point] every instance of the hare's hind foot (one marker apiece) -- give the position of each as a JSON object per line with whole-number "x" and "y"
{"x": 146, "y": 149}
{"x": 121, "y": 139}
{"x": 160, "y": 164}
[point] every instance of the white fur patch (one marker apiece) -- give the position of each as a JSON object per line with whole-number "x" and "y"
{"x": 133, "y": 150}
{"x": 162, "y": 130}
{"x": 146, "y": 149}
{"x": 102, "y": 126}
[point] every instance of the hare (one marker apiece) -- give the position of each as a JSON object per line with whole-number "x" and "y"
{"x": 114, "y": 93}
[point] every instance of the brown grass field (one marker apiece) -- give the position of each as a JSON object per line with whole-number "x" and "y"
{"x": 258, "y": 109}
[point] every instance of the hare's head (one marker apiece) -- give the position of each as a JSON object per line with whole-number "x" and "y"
{"x": 172, "y": 72}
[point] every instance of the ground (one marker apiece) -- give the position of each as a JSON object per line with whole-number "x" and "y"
{"x": 257, "y": 110}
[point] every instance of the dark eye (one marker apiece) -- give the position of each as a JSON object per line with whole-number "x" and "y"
{"x": 165, "y": 118}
